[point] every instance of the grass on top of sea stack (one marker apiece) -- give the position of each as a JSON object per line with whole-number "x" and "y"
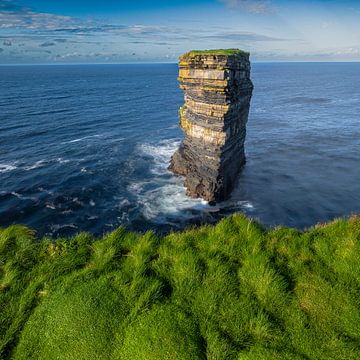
{"x": 215, "y": 52}
{"x": 230, "y": 291}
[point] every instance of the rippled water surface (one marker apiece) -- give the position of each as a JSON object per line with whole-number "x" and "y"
{"x": 87, "y": 148}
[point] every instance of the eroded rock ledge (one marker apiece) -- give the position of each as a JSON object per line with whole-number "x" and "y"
{"x": 218, "y": 91}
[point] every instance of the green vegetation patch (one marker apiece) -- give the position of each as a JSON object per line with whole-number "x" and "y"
{"x": 215, "y": 52}
{"x": 231, "y": 291}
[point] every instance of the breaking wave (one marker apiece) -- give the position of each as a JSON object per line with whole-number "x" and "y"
{"x": 160, "y": 154}
{"x": 165, "y": 198}
{"x": 7, "y": 167}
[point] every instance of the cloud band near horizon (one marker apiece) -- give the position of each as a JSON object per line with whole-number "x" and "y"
{"x": 260, "y": 26}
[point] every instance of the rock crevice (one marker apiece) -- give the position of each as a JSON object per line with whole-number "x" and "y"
{"x": 218, "y": 91}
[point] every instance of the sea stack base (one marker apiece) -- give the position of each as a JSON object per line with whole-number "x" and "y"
{"x": 218, "y": 91}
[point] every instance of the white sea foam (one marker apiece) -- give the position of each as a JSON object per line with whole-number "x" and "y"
{"x": 81, "y": 139}
{"x": 161, "y": 154}
{"x": 169, "y": 200}
{"x": 22, "y": 197}
{"x": 92, "y": 217}
{"x": 345, "y": 100}
{"x": 136, "y": 187}
{"x": 45, "y": 191}
{"x": 66, "y": 212}
{"x": 167, "y": 196}
{"x": 7, "y": 167}
{"x": 125, "y": 202}
{"x": 246, "y": 205}
{"x": 259, "y": 110}
{"x": 62, "y": 161}
{"x": 124, "y": 218}
{"x": 114, "y": 140}
{"x": 77, "y": 201}
{"x": 38, "y": 164}
{"x": 175, "y": 126}
{"x": 57, "y": 227}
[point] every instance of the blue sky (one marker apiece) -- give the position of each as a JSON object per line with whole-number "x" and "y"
{"x": 93, "y": 31}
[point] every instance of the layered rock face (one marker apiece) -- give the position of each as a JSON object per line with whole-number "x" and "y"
{"x": 218, "y": 91}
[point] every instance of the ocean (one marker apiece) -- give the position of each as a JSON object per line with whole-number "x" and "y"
{"x": 86, "y": 148}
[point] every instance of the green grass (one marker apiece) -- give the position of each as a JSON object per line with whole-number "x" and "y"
{"x": 231, "y": 291}
{"x": 215, "y": 52}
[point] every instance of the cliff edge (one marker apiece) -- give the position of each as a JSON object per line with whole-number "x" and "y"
{"x": 218, "y": 91}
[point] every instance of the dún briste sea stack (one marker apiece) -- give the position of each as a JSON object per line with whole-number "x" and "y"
{"x": 218, "y": 90}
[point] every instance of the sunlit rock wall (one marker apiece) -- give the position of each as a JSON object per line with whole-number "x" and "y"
{"x": 217, "y": 91}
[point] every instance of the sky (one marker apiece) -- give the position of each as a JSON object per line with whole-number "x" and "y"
{"x": 104, "y": 31}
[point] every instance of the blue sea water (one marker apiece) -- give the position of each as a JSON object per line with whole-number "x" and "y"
{"x": 86, "y": 147}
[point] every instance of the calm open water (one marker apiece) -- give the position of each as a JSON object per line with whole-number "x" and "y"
{"x": 87, "y": 148}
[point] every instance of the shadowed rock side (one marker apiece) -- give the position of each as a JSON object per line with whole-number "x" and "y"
{"x": 218, "y": 91}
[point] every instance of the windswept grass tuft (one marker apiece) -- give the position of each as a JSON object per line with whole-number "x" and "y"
{"x": 230, "y": 291}
{"x": 163, "y": 332}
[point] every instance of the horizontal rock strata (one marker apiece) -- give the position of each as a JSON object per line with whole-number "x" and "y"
{"x": 218, "y": 91}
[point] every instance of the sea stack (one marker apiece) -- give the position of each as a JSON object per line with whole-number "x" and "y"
{"x": 218, "y": 91}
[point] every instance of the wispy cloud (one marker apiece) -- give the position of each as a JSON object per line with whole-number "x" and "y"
{"x": 11, "y": 6}
{"x": 27, "y": 35}
{"x": 242, "y": 36}
{"x": 47, "y": 44}
{"x": 251, "y": 6}
{"x": 14, "y": 16}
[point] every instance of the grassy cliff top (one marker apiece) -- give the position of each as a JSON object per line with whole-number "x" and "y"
{"x": 231, "y": 291}
{"x": 215, "y": 52}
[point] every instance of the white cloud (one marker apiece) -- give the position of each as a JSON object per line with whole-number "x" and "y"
{"x": 252, "y": 6}
{"x": 327, "y": 24}
{"x": 32, "y": 20}
{"x": 14, "y": 16}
